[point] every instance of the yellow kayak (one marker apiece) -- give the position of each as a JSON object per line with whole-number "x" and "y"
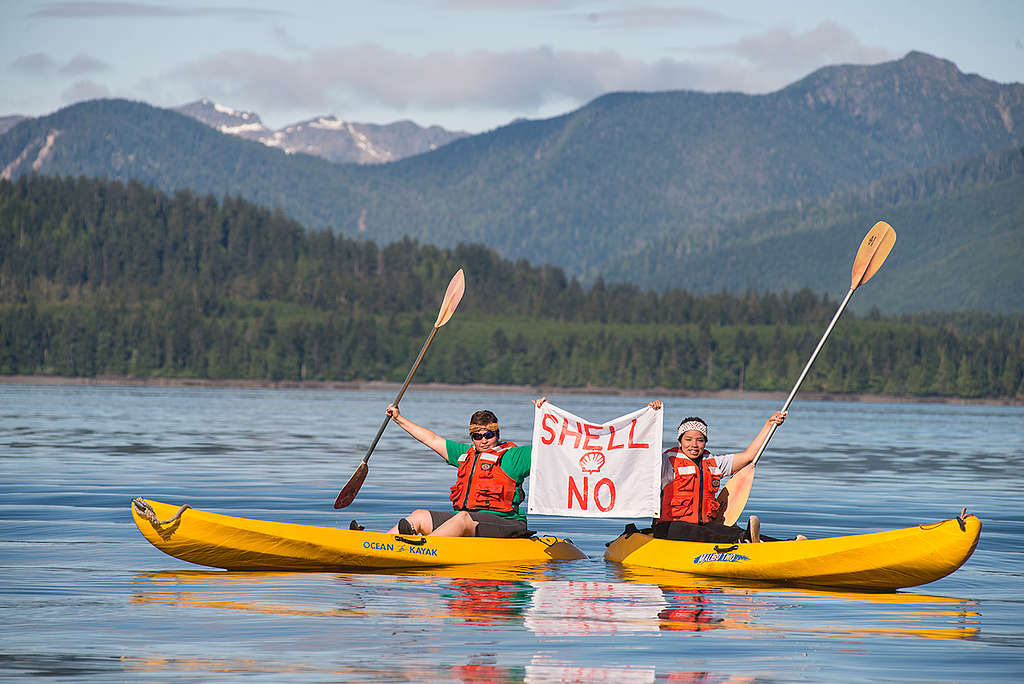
{"x": 221, "y": 541}
{"x": 878, "y": 561}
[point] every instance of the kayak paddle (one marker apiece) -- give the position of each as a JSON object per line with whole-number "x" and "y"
{"x": 452, "y": 297}
{"x": 873, "y": 250}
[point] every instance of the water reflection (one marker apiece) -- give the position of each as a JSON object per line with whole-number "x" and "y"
{"x": 487, "y": 601}
{"x": 701, "y": 603}
{"x": 691, "y": 609}
{"x": 546, "y": 667}
{"x": 524, "y": 598}
{"x": 541, "y": 669}
{"x": 577, "y": 608}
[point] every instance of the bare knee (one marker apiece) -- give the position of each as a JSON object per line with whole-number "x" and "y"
{"x": 465, "y": 521}
{"x": 421, "y": 521}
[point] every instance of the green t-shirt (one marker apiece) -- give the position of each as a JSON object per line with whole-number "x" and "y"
{"x": 515, "y": 463}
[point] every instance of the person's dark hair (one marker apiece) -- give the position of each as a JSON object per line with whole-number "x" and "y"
{"x": 483, "y": 418}
{"x": 689, "y": 418}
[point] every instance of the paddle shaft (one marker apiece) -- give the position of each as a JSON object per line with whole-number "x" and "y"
{"x": 800, "y": 380}
{"x": 452, "y": 297}
{"x": 405, "y": 385}
{"x": 872, "y": 253}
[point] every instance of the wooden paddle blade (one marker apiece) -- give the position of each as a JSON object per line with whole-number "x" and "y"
{"x": 872, "y": 253}
{"x": 734, "y": 495}
{"x": 349, "y": 491}
{"x": 888, "y": 240}
{"x": 452, "y": 297}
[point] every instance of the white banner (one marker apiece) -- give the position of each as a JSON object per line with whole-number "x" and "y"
{"x": 589, "y": 470}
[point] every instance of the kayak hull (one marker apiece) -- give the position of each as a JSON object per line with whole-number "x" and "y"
{"x": 231, "y": 543}
{"x": 879, "y": 561}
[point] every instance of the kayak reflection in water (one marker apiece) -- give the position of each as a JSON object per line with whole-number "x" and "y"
{"x": 488, "y": 488}
{"x": 690, "y": 480}
{"x": 488, "y": 602}
{"x": 689, "y": 611}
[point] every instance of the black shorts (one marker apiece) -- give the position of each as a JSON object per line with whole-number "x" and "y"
{"x": 487, "y": 524}
{"x": 710, "y": 532}
{"x": 677, "y": 530}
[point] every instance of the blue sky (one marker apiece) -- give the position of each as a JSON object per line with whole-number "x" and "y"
{"x": 466, "y": 64}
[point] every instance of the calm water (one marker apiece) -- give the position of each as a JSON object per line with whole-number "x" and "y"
{"x": 84, "y": 596}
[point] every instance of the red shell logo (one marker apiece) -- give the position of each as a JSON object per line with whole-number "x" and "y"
{"x": 591, "y": 462}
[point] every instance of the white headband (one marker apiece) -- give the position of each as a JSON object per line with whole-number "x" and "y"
{"x": 692, "y": 425}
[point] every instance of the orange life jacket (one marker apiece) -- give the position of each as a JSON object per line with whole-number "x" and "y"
{"x": 481, "y": 484}
{"x": 690, "y": 496}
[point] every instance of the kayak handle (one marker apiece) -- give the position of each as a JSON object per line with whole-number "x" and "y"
{"x": 726, "y": 549}
{"x": 146, "y": 511}
{"x": 961, "y": 519}
{"x": 549, "y": 541}
{"x": 412, "y": 542}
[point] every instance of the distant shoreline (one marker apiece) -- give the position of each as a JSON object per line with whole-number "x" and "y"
{"x": 356, "y": 385}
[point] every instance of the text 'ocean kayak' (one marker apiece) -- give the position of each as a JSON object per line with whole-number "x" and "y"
{"x": 221, "y": 541}
{"x": 877, "y": 561}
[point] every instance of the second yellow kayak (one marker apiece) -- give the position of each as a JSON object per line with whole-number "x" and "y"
{"x": 880, "y": 561}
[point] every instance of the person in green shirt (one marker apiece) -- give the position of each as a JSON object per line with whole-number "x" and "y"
{"x": 488, "y": 488}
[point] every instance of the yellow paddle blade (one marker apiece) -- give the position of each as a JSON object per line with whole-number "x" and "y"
{"x": 872, "y": 253}
{"x": 734, "y": 495}
{"x": 452, "y": 297}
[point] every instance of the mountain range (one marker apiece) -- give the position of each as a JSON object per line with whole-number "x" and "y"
{"x": 335, "y": 140}
{"x": 704, "y": 191}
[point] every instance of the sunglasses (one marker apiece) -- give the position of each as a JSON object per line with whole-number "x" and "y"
{"x": 483, "y": 435}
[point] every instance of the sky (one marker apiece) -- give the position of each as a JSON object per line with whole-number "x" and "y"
{"x": 468, "y": 65}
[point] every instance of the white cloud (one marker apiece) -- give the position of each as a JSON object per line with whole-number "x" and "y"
{"x": 506, "y": 5}
{"x": 781, "y": 51}
{"x": 108, "y": 10}
{"x": 658, "y": 17}
{"x": 36, "y": 64}
{"x": 83, "y": 64}
{"x": 522, "y": 80}
{"x": 83, "y": 90}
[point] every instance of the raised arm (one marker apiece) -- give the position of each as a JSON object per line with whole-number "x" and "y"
{"x": 424, "y": 435}
{"x": 747, "y": 455}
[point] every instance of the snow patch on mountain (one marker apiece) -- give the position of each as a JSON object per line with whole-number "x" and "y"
{"x": 242, "y": 128}
{"x": 228, "y": 110}
{"x": 329, "y": 123}
{"x": 325, "y": 136}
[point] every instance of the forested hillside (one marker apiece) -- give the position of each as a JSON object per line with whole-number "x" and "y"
{"x": 961, "y": 239}
{"x": 619, "y": 176}
{"x": 102, "y": 278}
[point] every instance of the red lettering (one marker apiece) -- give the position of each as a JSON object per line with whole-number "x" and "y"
{"x": 546, "y": 429}
{"x": 611, "y": 440}
{"x": 574, "y": 490}
{"x": 566, "y": 431}
{"x": 633, "y": 445}
{"x": 611, "y": 494}
{"x": 587, "y": 446}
